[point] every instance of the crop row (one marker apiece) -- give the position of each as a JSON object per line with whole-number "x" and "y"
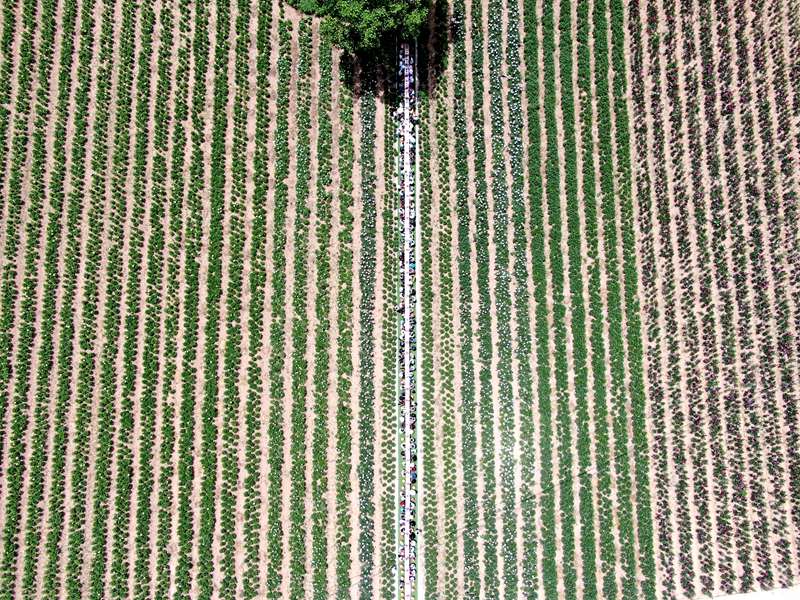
{"x": 172, "y": 310}
{"x": 258, "y": 281}
{"x": 388, "y": 393}
{"x": 235, "y": 211}
{"x": 366, "y": 354}
{"x": 344, "y": 361}
{"x": 467, "y": 391}
{"x": 485, "y": 347}
{"x": 322, "y": 337}
{"x": 26, "y": 326}
{"x": 193, "y": 233}
{"x": 446, "y": 354}
{"x": 277, "y": 333}
{"x": 16, "y": 169}
{"x": 38, "y": 443}
{"x": 299, "y": 325}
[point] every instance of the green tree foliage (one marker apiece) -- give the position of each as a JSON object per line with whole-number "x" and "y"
{"x": 363, "y": 25}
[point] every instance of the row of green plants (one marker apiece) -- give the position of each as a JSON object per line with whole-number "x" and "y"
{"x": 588, "y": 327}
{"x": 344, "y": 361}
{"x": 15, "y": 169}
{"x": 193, "y": 236}
{"x": 558, "y": 422}
{"x": 151, "y": 386}
{"x": 542, "y": 502}
{"x": 425, "y": 411}
{"x": 366, "y": 354}
{"x": 485, "y": 347}
{"x": 299, "y": 324}
{"x": 211, "y": 386}
{"x": 91, "y": 277}
{"x": 469, "y": 537}
{"x": 55, "y": 191}
{"x": 387, "y": 453}
{"x": 521, "y": 298}
{"x": 258, "y": 282}
{"x": 499, "y": 51}
{"x": 172, "y": 308}
{"x": 277, "y": 335}
{"x": 322, "y": 336}
{"x": 235, "y": 211}
{"x": 6, "y": 78}
{"x": 136, "y": 208}
{"x": 446, "y": 354}
{"x": 25, "y": 326}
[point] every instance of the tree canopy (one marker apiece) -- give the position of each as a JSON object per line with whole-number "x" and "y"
{"x": 364, "y": 25}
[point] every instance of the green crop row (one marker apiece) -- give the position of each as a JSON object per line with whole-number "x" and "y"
{"x": 111, "y": 319}
{"x": 498, "y": 51}
{"x": 344, "y": 361}
{"x": 233, "y": 303}
{"x": 467, "y": 391}
{"x": 258, "y": 280}
{"x": 153, "y": 307}
{"x": 193, "y": 234}
{"x": 322, "y": 338}
{"x": 390, "y": 327}
{"x": 299, "y": 328}
{"x": 277, "y": 333}
{"x": 427, "y": 462}
{"x": 172, "y": 297}
{"x": 524, "y": 349}
{"x": 258, "y": 277}
{"x": 366, "y": 354}
{"x": 6, "y": 77}
{"x": 26, "y": 325}
{"x": 532, "y": 50}
{"x": 16, "y": 170}
{"x": 446, "y": 353}
{"x": 123, "y": 497}
{"x": 208, "y": 408}
{"x": 485, "y": 347}
{"x": 41, "y": 424}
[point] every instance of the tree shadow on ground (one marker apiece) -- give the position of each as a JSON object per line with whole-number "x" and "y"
{"x": 376, "y": 72}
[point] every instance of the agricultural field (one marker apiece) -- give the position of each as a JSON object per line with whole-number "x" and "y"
{"x": 511, "y": 314}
